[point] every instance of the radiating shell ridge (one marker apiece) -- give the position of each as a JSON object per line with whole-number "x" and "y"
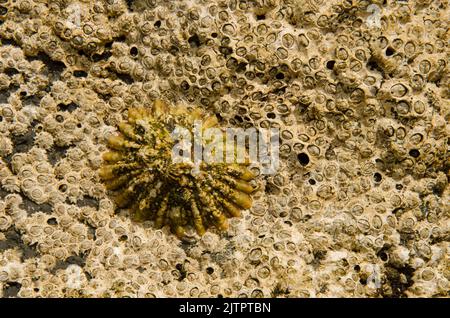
{"x": 139, "y": 170}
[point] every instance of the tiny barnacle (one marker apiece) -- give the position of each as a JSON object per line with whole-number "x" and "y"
{"x": 140, "y": 171}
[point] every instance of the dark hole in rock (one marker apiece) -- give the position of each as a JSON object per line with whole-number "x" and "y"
{"x": 241, "y": 67}
{"x": 214, "y": 35}
{"x": 80, "y": 73}
{"x": 33, "y": 207}
{"x": 54, "y": 68}
{"x": 79, "y": 260}
{"x": 330, "y": 64}
{"x": 357, "y": 268}
{"x": 225, "y": 50}
{"x": 59, "y": 118}
{"x": 11, "y": 289}
{"x": 377, "y": 177}
{"x": 185, "y": 85}
{"x": 260, "y": 17}
{"x": 56, "y": 153}
{"x": 125, "y": 78}
{"x": 104, "y": 56}
{"x": 389, "y": 51}
{"x": 373, "y": 66}
{"x": 239, "y": 118}
{"x": 69, "y": 107}
{"x": 397, "y": 281}
{"x": 134, "y": 51}
{"x": 9, "y": 42}
{"x": 10, "y": 71}
{"x": 52, "y": 221}
{"x": 312, "y": 181}
{"x": 209, "y": 270}
{"x": 14, "y": 240}
{"x": 121, "y": 38}
{"x": 271, "y": 115}
{"x": 105, "y": 97}
{"x": 23, "y": 143}
{"x": 414, "y": 153}
{"x": 194, "y": 41}
{"x": 279, "y": 76}
{"x": 303, "y": 158}
{"x": 62, "y": 188}
{"x": 157, "y": 24}
{"x": 88, "y": 201}
{"x": 31, "y": 100}
{"x": 174, "y": 50}
{"x": 123, "y": 238}
{"x": 130, "y": 5}
{"x": 399, "y": 186}
{"x": 3, "y": 10}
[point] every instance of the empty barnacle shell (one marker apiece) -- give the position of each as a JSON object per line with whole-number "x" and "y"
{"x": 140, "y": 170}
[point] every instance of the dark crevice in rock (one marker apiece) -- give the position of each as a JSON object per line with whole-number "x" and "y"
{"x": 396, "y": 276}
{"x": 126, "y": 78}
{"x": 31, "y": 100}
{"x": 80, "y": 73}
{"x": 79, "y": 260}
{"x": 14, "y": 240}
{"x": 33, "y": 207}
{"x": 54, "y": 68}
{"x": 69, "y": 107}
{"x": 56, "y": 153}
{"x": 9, "y": 42}
{"x": 3, "y": 193}
{"x": 102, "y": 57}
{"x": 11, "y": 71}
{"x": 130, "y": 5}
{"x": 88, "y": 201}
{"x": 25, "y": 142}
{"x": 194, "y": 41}
{"x": 6, "y": 93}
{"x": 11, "y": 289}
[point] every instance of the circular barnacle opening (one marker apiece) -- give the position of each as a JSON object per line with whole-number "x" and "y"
{"x": 330, "y": 64}
{"x": 389, "y": 51}
{"x": 134, "y": 51}
{"x": 303, "y": 158}
{"x": 414, "y": 153}
{"x": 52, "y": 221}
{"x": 59, "y": 118}
{"x": 377, "y": 177}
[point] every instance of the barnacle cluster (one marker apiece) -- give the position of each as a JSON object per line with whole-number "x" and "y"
{"x": 359, "y": 91}
{"x": 142, "y": 170}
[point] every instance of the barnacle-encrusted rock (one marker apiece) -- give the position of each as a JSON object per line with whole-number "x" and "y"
{"x": 142, "y": 172}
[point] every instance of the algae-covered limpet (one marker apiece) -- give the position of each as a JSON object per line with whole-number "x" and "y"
{"x": 140, "y": 171}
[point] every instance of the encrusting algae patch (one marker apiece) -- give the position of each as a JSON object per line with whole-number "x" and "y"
{"x": 358, "y": 206}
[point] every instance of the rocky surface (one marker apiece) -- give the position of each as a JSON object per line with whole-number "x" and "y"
{"x": 358, "y": 89}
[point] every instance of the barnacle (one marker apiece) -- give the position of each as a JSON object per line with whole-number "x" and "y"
{"x": 140, "y": 170}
